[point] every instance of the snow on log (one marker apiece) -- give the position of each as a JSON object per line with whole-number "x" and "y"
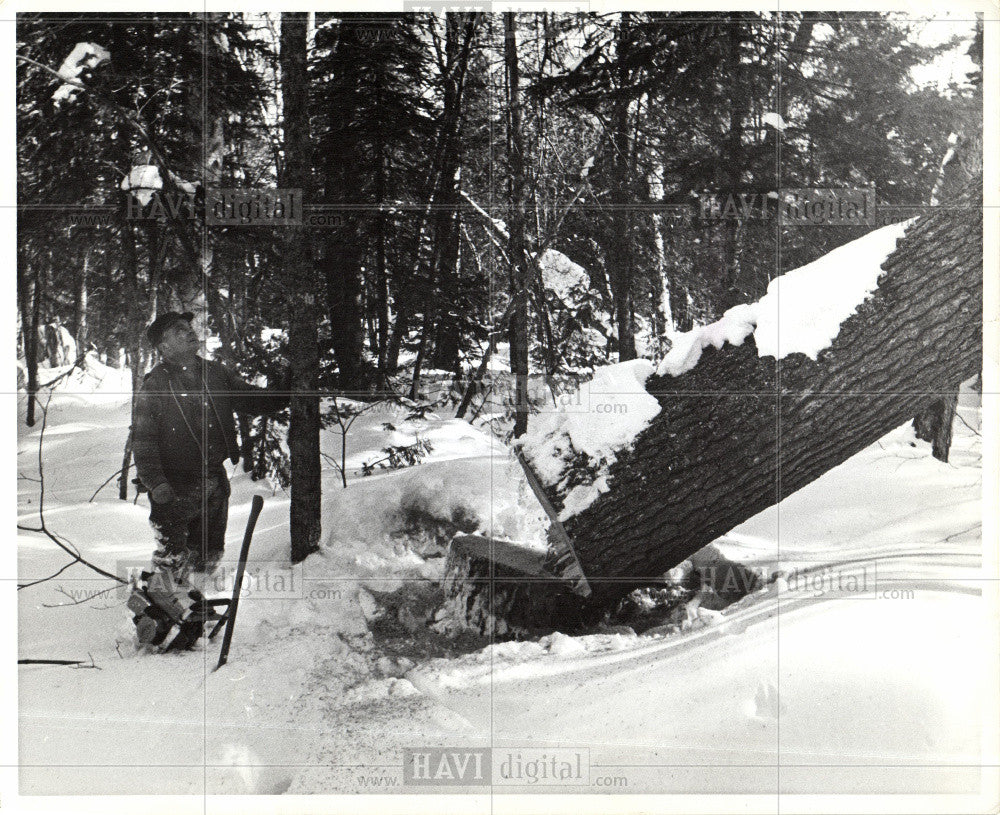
{"x": 809, "y": 304}
{"x": 709, "y": 458}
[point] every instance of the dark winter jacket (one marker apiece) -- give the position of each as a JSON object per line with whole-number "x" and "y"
{"x": 183, "y": 421}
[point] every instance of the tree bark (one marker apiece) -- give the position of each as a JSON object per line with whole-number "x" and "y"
{"x": 79, "y": 327}
{"x": 438, "y": 295}
{"x": 136, "y": 363}
{"x": 447, "y": 342}
{"x": 341, "y": 250}
{"x": 29, "y": 293}
{"x": 130, "y": 269}
{"x": 711, "y": 458}
{"x": 381, "y": 339}
{"x": 303, "y": 339}
{"x": 662, "y": 280}
{"x": 442, "y": 190}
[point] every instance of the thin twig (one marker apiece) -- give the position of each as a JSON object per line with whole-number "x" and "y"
{"x": 331, "y": 459}
{"x": 77, "y": 363}
{"x": 963, "y": 532}
{"x": 106, "y": 482}
{"x": 92, "y": 664}
{"x": 42, "y": 528}
{"x": 967, "y": 424}
{"x": 77, "y": 602}
{"x": 43, "y": 579}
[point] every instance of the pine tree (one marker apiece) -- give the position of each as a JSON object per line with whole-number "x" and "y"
{"x": 372, "y": 122}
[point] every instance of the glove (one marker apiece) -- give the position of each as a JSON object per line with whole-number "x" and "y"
{"x": 163, "y": 494}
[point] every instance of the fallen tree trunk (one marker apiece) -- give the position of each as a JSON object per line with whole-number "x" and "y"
{"x": 738, "y": 432}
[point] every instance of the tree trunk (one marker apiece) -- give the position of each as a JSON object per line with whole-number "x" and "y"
{"x": 477, "y": 379}
{"x": 406, "y": 292}
{"x": 661, "y": 289}
{"x": 32, "y": 346}
{"x": 618, "y": 255}
{"x": 447, "y": 342}
{"x": 400, "y": 328}
{"x": 80, "y": 307}
{"x": 246, "y": 442}
{"x": 418, "y": 362}
{"x": 710, "y": 460}
{"x": 793, "y": 56}
{"x": 739, "y": 101}
{"x": 303, "y": 339}
{"x": 442, "y": 190}
{"x": 136, "y": 318}
{"x": 340, "y": 263}
{"x": 381, "y": 338}
{"x": 136, "y": 364}
{"x": 516, "y": 245}
{"x": 126, "y": 465}
{"x": 934, "y": 422}
{"x": 29, "y": 292}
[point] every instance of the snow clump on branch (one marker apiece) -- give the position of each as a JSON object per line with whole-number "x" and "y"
{"x": 145, "y": 179}
{"x": 85, "y": 56}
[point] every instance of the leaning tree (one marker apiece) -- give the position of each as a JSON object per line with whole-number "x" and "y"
{"x": 738, "y": 433}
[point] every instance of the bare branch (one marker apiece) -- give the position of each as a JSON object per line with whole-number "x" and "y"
{"x": 106, "y": 482}
{"x": 77, "y": 601}
{"x": 43, "y": 529}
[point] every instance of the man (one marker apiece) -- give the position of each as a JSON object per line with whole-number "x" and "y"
{"x": 182, "y": 432}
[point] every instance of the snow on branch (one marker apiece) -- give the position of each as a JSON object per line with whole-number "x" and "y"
{"x": 775, "y": 121}
{"x": 497, "y": 224}
{"x": 85, "y": 56}
{"x": 144, "y": 180}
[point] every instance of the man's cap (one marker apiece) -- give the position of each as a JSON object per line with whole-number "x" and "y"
{"x": 164, "y": 321}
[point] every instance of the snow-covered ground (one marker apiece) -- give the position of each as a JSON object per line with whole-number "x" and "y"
{"x": 867, "y": 668}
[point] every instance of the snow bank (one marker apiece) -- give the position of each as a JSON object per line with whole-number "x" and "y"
{"x": 809, "y": 304}
{"x": 600, "y": 418}
{"x": 461, "y": 481}
{"x": 91, "y": 379}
